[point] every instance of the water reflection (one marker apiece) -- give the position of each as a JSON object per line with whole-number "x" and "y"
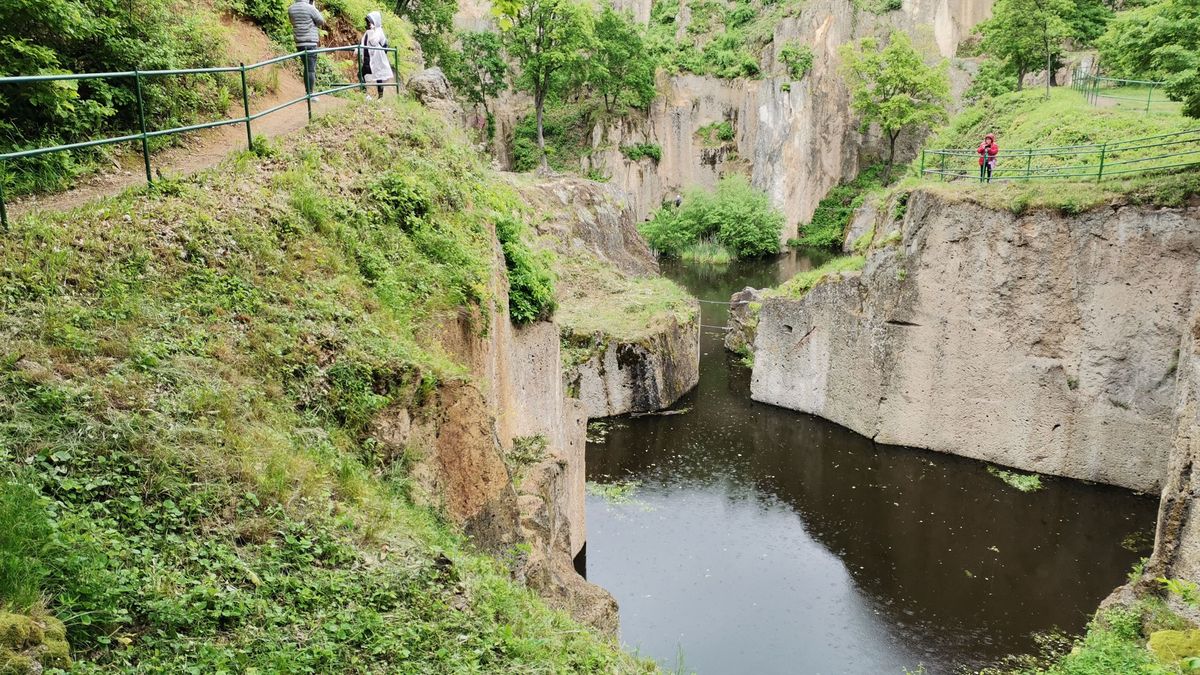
{"x": 762, "y": 540}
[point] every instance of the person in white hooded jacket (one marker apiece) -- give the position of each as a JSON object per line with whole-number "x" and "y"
{"x": 376, "y": 67}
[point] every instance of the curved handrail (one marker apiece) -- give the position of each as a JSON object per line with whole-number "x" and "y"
{"x": 145, "y": 134}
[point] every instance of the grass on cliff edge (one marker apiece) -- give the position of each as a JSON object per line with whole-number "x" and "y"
{"x": 799, "y": 286}
{"x": 1028, "y": 120}
{"x": 187, "y": 382}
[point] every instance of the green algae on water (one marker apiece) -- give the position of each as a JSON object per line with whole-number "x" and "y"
{"x": 1025, "y": 482}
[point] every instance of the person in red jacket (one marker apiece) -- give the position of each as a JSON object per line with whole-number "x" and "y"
{"x": 987, "y": 157}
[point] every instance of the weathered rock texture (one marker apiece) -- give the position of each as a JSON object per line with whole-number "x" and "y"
{"x": 642, "y": 368}
{"x": 623, "y": 376}
{"x": 742, "y": 326}
{"x": 460, "y": 441}
{"x": 796, "y": 140}
{"x": 1177, "y": 540}
{"x": 1042, "y": 341}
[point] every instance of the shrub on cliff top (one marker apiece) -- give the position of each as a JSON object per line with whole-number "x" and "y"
{"x": 738, "y": 216}
{"x": 530, "y": 281}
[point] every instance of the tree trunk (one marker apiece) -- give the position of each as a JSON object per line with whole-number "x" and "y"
{"x": 1049, "y": 63}
{"x": 887, "y": 172}
{"x": 539, "y": 104}
{"x": 1020, "y": 79}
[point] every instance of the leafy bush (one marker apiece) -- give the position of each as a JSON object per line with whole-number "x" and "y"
{"x": 738, "y": 216}
{"x": 797, "y": 58}
{"x": 828, "y": 225}
{"x": 530, "y": 281}
{"x": 89, "y": 36}
{"x": 567, "y": 128}
{"x": 639, "y": 151}
{"x": 993, "y": 79}
{"x": 716, "y": 133}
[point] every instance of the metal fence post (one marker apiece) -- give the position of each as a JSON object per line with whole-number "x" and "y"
{"x": 141, "y": 108}
{"x": 1028, "y": 163}
{"x": 396, "y": 67}
{"x": 1149, "y": 96}
{"x": 1103, "y": 153}
{"x": 943, "y": 167}
{"x": 3, "y": 207}
{"x": 358, "y": 59}
{"x": 246, "y": 109}
{"x": 922, "y": 162}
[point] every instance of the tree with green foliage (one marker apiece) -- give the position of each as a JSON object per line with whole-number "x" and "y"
{"x": 739, "y": 217}
{"x": 1160, "y": 42}
{"x": 432, "y": 21}
{"x": 478, "y": 70}
{"x": 1027, "y": 34}
{"x": 621, "y": 66}
{"x": 894, "y": 88}
{"x": 992, "y": 80}
{"x": 1088, "y": 20}
{"x": 797, "y": 59}
{"x": 550, "y": 40}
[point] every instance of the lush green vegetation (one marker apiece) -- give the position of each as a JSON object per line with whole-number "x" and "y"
{"x": 530, "y": 282}
{"x": 797, "y": 58}
{"x": 706, "y": 252}
{"x": 563, "y": 47}
{"x": 187, "y": 385}
{"x": 639, "y": 151}
{"x": 730, "y": 36}
{"x": 735, "y": 215}
{"x": 91, "y": 36}
{"x": 477, "y": 70}
{"x": 827, "y": 229}
{"x": 893, "y": 87}
{"x": 1025, "y": 482}
{"x": 566, "y": 132}
{"x": 1159, "y": 42}
{"x": 799, "y": 286}
{"x": 716, "y": 133}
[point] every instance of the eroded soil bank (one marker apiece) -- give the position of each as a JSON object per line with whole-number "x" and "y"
{"x": 758, "y": 539}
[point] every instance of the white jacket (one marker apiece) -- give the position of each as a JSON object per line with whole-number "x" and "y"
{"x": 380, "y": 61}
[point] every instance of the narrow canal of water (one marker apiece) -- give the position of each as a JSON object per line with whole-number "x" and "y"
{"x": 761, "y": 540}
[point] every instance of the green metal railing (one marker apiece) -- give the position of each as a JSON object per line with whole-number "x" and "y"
{"x": 1074, "y": 162}
{"x": 1139, "y": 93}
{"x": 145, "y": 134}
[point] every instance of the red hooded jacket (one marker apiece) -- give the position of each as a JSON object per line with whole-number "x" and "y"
{"x": 988, "y": 152}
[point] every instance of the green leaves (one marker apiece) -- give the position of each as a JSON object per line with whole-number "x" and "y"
{"x": 894, "y": 88}
{"x": 1158, "y": 42}
{"x": 530, "y": 281}
{"x": 738, "y": 216}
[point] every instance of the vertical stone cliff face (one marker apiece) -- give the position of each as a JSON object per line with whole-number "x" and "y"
{"x": 1177, "y": 541}
{"x": 461, "y": 443}
{"x": 795, "y": 140}
{"x": 1042, "y": 341}
{"x": 615, "y": 369}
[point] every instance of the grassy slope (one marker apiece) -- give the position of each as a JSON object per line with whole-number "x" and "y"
{"x": 595, "y": 297}
{"x": 185, "y": 382}
{"x": 1027, "y": 120}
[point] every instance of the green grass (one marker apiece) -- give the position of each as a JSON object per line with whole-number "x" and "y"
{"x": 834, "y": 213}
{"x": 1024, "y": 120}
{"x": 188, "y": 380}
{"x": 1020, "y": 481}
{"x": 707, "y": 252}
{"x": 597, "y": 299}
{"x": 799, "y": 286}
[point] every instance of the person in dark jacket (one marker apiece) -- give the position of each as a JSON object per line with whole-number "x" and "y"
{"x": 987, "y": 157}
{"x": 306, "y": 24}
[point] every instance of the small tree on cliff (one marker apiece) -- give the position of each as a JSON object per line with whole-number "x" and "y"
{"x": 892, "y": 87}
{"x": 1028, "y": 35}
{"x": 550, "y": 40}
{"x": 479, "y": 72}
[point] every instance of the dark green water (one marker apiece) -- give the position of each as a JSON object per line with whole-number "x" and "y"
{"x": 761, "y": 540}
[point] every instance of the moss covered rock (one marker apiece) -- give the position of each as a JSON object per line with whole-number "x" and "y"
{"x": 1171, "y": 646}
{"x": 30, "y": 644}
